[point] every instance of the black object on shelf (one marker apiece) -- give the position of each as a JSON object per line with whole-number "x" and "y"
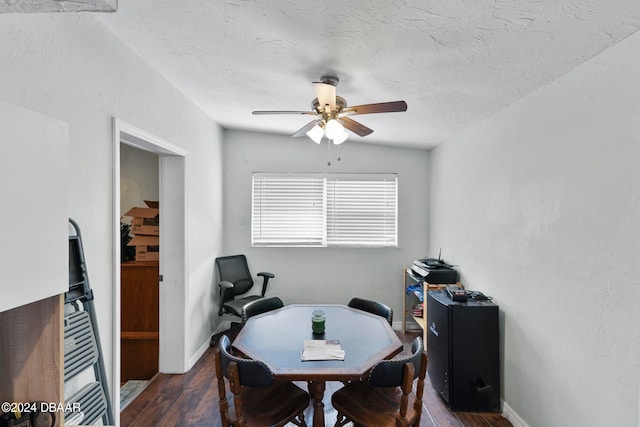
{"x": 456, "y": 293}
{"x": 463, "y": 352}
{"x": 434, "y": 270}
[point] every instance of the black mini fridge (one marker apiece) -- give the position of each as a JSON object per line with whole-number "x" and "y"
{"x": 462, "y": 350}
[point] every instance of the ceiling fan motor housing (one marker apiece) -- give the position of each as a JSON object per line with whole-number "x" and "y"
{"x": 341, "y": 103}
{"x": 330, "y": 80}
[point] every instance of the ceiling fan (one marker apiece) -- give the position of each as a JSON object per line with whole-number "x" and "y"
{"x": 332, "y": 113}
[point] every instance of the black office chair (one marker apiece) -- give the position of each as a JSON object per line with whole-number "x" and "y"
{"x": 373, "y": 307}
{"x": 385, "y": 398}
{"x": 235, "y": 279}
{"x": 260, "y": 306}
{"x": 258, "y": 400}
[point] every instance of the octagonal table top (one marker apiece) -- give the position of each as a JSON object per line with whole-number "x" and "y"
{"x": 277, "y": 338}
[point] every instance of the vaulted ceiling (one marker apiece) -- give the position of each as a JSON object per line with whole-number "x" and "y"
{"x": 455, "y": 62}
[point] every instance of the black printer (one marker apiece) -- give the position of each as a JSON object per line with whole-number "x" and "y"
{"x": 435, "y": 270}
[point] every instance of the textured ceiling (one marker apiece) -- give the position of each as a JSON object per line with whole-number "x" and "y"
{"x": 39, "y": 6}
{"x": 455, "y": 62}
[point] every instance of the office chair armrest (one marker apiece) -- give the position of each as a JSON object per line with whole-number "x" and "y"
{"x": 265, "y": 279}
{"x": 265, "y": 274}
{"x": 226, "y": 291}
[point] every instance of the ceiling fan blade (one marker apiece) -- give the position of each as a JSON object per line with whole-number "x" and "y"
{"x": 260, "y": 113}
{"x": 355, "y": 127}
{"x": 306, "y": 128}
{"x": 381, "y": 107}
{"x": 326, "y": 94}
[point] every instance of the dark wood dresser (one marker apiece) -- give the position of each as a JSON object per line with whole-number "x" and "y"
{"x": 139, "y": 320}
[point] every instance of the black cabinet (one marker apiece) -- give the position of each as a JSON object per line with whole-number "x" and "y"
{"x": 462, "y": 349}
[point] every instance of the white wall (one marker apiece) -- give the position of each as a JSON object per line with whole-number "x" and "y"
{"x": 68, "y": 67}
{"x": 540, "y": 207}
{"x": 33, "y": 190}
{"x": 325, "y": 275}
{"x": 139, "y": 178}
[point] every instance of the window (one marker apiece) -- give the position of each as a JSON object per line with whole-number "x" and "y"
{"x": 324, "y": 210}
{"x": 287, "y": 210}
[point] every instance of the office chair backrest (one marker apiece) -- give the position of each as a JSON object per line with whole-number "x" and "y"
{"x": 234, "y": 269}
{"x": 390, "y": 373}
{"x": 251, "y": 373}
{"x": 373, "y": 307}
{"x": 260, "y": 306}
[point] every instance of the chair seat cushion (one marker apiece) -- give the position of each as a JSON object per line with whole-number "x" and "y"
{"x": 235, "y": 306}
{"x": 268, "y": 406}
{"x": 371, "y": 406}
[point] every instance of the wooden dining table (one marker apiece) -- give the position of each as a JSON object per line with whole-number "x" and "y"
{"x": 277, "y": 338}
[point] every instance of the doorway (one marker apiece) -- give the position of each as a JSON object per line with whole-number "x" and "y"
{"x": 173, "y": 289}
{"x": 139, "y": 270}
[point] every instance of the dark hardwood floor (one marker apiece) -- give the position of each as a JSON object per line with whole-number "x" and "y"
{"x": 191, "y": 400}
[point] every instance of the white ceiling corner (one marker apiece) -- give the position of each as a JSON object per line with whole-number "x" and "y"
{"x": 455, "y": 62}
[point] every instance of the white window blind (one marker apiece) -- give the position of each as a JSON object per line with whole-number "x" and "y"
{"x": 324, "y": 210}
{"x": 362, "y": 211}
{"x": 288, "y": 210}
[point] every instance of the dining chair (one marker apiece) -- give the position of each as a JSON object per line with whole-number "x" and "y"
{"x": 236, "y": 280}
{"x": 385, "y": 398}
{"x": 260, "y": 306}
{"x": 256, "y": 400}
{"x": 373, "y": 307}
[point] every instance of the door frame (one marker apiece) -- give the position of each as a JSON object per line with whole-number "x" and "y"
{"x": 174, "y": 322}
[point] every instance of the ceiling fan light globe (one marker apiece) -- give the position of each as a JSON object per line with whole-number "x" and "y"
{"x": 316, "y": 133}
{"x": 340, "y": 138}
{"x": 333, "y": 129}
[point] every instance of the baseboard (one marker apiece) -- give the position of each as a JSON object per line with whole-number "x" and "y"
{"x": 203, "y": 348}
{"x": 512, "y": 416}
{"x": 223, "y": 326}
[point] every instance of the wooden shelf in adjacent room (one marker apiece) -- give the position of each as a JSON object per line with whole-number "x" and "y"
{"x": 139, "y": 320}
